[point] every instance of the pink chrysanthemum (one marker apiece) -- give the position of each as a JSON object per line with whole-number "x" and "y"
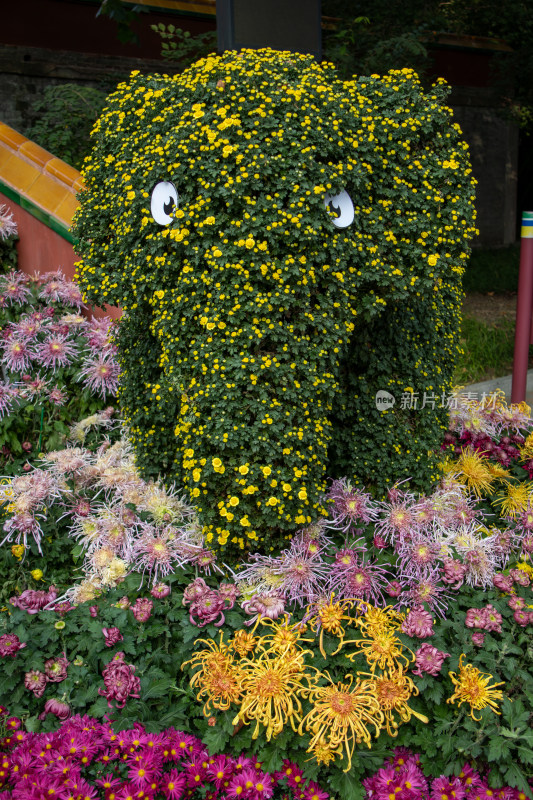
{"x": 8, "y": 394}
{"x": 426, "y": 590}
{"x": 418, "y": 623}
{"x": 418, "y": 555}
{"x": 142, "y": 609}
{"x": 356, "y": 577}
{"x": 13, "y": 287}
{"x": 447, "y": 789}
{"x": 17, "y": 354}
{"x": 156, "y": 552}
{"x": 173, "y": 785}
{"x": 99, "y": 334}
{"x": 56, "y": 351}
{"x": 269, "y": 605}
{"x": 35, "y": 681}
{"x": 8, "y": 226}
{"x": 57, "y": 396}
{"x": 398, "y": 517}
{"x": 302, "y": 572}
{"x": 100, "y": 374}
{"x": 429, "y": 659}
{"x": 120, "y": 682}
{"x": 10, "y": 644}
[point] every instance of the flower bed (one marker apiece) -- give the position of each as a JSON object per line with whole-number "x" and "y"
{"x": 384, "y": 621}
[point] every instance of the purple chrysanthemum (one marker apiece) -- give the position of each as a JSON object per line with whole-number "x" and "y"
{"x": 354, "y": 577}
{"x": 100, "y": 374}
{"x": 350, "y": 506}
{"x": 426, "y": 590}
{"x": 56, "y": 351}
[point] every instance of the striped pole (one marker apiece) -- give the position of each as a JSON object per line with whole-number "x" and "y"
{"x": 524, "y": 307}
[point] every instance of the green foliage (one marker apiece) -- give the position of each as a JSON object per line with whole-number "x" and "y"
{"x": 63, "y": 117}
{"x": 180, "y": 45}
{"x": 486, "y": 351}
{"x": 253, "y": 327}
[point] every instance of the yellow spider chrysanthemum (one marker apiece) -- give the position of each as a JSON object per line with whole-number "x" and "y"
{"x": 394, "y": 689}
{"x": 323, "y": 753}
{"x": 383, "y": 650}
{"x": 329, "y": 619}
{"x": 272, "y": 686}
{"x": 243, "y": 642}
{"x": 379, "y": 620}
{"x": 341, "y": 715}
{"x": 515, "y": 500}
{"x": 498, "y": 472}
{"x": 283, "y": 635}
{"x": 472, "y": 687}
{"x": 471, "y": 469}
{"x": 526, "y": 451}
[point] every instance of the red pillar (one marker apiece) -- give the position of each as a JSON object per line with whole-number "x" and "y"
{"x": 524, "y": 308}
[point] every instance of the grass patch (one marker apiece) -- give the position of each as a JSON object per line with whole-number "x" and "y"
{"x": 493, "y": 270}
{"x": 487, "y": 351}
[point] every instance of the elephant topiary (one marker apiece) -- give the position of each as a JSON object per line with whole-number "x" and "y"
{"x": 287, "y": 249}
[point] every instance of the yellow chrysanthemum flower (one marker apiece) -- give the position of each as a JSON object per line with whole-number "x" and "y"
{"x": 472, "y": 470}
{"x": 342, "y": 714}
{"x": 272, "y": 686}
{"x": 472, "y": 687}
{"x": 515, "y": 499}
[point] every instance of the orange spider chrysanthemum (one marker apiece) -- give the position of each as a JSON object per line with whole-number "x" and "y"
{"x": 218, "y": 677}
{"x": 243, "y": 642}
{"x": 394, "y": 689}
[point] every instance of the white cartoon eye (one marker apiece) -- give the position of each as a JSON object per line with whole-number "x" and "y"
{"x": 340, "y": 209}
{"x": 164, "y": 199}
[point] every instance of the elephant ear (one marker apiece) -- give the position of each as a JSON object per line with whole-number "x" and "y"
{"x": 116, "y": 231}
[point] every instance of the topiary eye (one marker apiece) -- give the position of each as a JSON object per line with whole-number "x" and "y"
{"x": 164, "y": 199}
{"x": 340, "y": 209}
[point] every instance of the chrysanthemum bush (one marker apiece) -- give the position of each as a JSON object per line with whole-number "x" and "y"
{"x": 56, "y": 365}
{"x": 410, "y": 620}
{"x": 283, "y": 245}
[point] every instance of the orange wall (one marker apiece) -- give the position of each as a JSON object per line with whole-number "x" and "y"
{"x": 40, "y": 249}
